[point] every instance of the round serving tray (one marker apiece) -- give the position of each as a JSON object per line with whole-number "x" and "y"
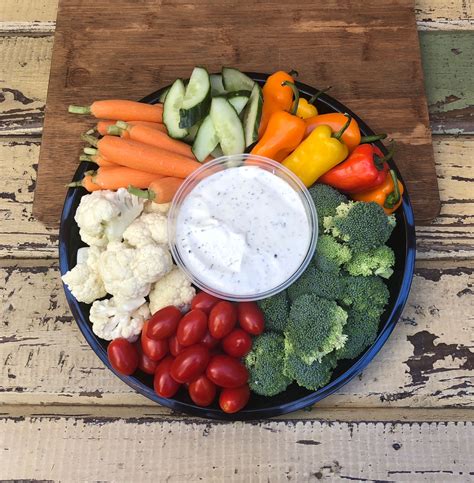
{"x": 402, "y": 242}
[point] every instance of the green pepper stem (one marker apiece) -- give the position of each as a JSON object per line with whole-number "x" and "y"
{"x": 89, "y": 150}
{"x": 372, "y": 139}
{"x": 379, "y": 162}
{"x": 296, "y": 93}
{"x": 90, "y": 139}
{"x": 147, "y": 194}
{"x": 79, "y": 109}
{"x": 318, "y": 94}
{"x": 394, "y": 197}
{"x": 337, "y": 135}
{"x": 114, "y": 130}
{"x": 293, "y": 73}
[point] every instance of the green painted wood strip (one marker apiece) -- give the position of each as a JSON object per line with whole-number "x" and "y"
{"x": 448, "y": 65}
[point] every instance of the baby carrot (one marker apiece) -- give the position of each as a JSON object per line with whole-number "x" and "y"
{"x": 115, "y": 177}
{"x": 153, "y": 137}
{"x": 159, "y": 191}
{"x": 114, "y": 130}
{"x": 144, "y": 157}
{"x": 86, "y": 182}
{"x": 102, "y": 127}
{"x": 121, "y": 109}
{"x": 92, "y": 155}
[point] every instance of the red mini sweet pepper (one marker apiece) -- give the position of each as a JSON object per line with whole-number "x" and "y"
{"x": 364, "y": 169}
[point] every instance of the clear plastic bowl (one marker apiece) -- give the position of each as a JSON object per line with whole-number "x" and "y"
{"x": 229, "y": 162}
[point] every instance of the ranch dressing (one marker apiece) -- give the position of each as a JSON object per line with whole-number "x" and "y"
{"x": 242, "y": 231}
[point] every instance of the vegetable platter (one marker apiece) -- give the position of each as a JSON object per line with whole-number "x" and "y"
{"x": 261, "y": 339}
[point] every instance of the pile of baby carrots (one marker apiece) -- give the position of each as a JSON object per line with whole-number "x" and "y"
{"x": 134, "y": 151}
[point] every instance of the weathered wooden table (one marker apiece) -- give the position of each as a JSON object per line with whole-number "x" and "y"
{"x": 408, "y": 417}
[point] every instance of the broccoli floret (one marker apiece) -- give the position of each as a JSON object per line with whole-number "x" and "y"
{"x": 330, "y": 254}
{"x": 362, "y": 225}
{"x": 326, "y": 200}
{"x": 276, "y": 310}
{"x": 366, "y": 294}
{"x": 361, "y": 331}
{"x": 314, "y": 327}
{"x": 265, "y": 365}
{"x": 329, "y": 285}
{"x": 378, "y": 261}
{"x": 311, "y": 376}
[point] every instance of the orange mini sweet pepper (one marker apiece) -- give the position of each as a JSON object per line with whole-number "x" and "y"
{"x": 277, "y": 96}
{"x": 336, "y": 120}
{"x": 283, "y": 134}
{"x": 388, "y": 195}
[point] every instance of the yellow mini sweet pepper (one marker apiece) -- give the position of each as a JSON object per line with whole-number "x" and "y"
{"x": 317, "y": 154}
{"x": 306, "y": 108}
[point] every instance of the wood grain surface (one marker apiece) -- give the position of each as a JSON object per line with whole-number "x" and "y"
{"x": 152, "y": 450}
{"x": 60, "y": 408}
{"x": 369, "y": 52}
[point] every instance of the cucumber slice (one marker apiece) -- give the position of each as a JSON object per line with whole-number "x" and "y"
{"x": 206, "y": 140}
{"x": 252, "y": 115}
{"x": 234, "y": 80}
{"x": 192, "y": 131}
{"x": 197, "y": 98}
{"x": 238, "y": 102}
{"x": 163, "y": 95}
{"x": 171, "y": 107}
{"x": 217, "y": 87}
{"x": 228, "y": 126}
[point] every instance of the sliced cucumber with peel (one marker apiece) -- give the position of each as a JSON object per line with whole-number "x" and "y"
{"x": 171, "y": 110}
{"x": 234, "y": 80}
{"x": 206, "y": 138}
{"x": 252, "y": 115}
{"x": 238, "y": 102}
{"x": 228, "y": 126}
{"x": 197, "y": 98}
{"x": 217, "y": 87}
{"x": 163, "y": 95}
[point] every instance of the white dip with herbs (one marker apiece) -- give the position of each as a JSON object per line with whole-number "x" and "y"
{"x": 242, "y": 231}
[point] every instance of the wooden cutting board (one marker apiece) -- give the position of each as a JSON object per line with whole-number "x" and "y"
{"x": 368, "y": 51}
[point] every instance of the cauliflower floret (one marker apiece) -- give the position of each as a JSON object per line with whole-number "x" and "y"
{"x": 103, "y": 215}
{"x": 149, "y": 228}
{"x": 152, "y": 207}
{"x": 84, "y": 280}
{"x": 112, "y": 319}
{"x": 173, "y": 289}
{"x": 128, "y": 272}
